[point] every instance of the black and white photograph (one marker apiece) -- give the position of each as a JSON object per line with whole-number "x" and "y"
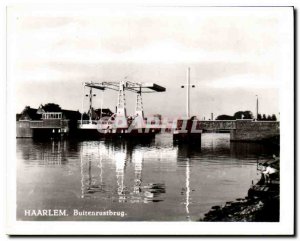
{"x": 150, "y": 115}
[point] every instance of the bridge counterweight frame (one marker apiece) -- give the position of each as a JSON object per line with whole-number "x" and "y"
{"x": 121, "y": 87}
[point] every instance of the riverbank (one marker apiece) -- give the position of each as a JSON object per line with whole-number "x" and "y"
{"x": 262, "y": 204}
{"x": 246, "y": 210}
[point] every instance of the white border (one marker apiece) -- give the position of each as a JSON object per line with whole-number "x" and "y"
{"x": 285, "y": 226}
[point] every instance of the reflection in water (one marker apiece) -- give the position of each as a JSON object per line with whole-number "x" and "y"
{"x": 186, "y": 151}
{"x": 138, "y": 167}
{"x": 153, "y": 192}
{"x": 55, "y": 156}
{"x": 251, "y": 150}
{"x": 91, "y": 158}
{"x": 120, "y": 159}
{"x": 119, "y": 154}
{"x": 101, "y": 171}
{"x": 187, "y": 202}
{"x": 155, "y": 180}
{"x": 48, "y": 153}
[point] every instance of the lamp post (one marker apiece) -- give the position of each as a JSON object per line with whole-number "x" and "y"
{"x": 188, "y": 89}
{"x": 256, "y": 107}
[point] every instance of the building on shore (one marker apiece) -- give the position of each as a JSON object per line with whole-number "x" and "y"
{"x": 45, "y": 121}
{"x": 50, "y": 120}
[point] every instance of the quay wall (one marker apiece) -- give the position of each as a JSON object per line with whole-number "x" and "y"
{"x": 244, "y": 129}
{"x": 248, "y": 130}
{"x": 216, "y": 125}
{"x": 29, "y": 129}
{"x": 240, "y": 130}
{"x": 23, "y": 129}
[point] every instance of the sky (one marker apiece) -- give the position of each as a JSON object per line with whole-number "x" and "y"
{"x": 234, "y": 54}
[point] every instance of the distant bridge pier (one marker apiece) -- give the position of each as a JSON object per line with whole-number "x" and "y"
{"x": 187, "y": 132}
{"x": 186, "y": 129}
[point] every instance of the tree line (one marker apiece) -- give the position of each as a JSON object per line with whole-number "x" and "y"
{"x": 247, "y": 115}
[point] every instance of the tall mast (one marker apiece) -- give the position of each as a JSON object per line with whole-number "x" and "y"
{"x": 188, "y": 93}
{"x": 256, "y": 107}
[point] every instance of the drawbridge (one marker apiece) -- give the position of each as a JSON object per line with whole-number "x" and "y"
{"x": 120, "y": 119}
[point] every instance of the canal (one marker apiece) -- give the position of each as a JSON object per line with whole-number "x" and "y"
{"x": 155, "y": 180}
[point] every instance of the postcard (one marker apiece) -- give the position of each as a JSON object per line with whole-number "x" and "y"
{"x": 150, "y": 120}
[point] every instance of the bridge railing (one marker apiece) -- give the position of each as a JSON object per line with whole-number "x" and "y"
{"x": 217, "y": 125}
{"x": 84, "y": 122}
{"x": 49, "y": 123}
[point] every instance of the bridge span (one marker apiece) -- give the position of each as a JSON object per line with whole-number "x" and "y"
{"x": 240, "y": 130}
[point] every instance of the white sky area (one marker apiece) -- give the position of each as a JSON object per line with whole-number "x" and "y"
{"x": 234, "y": 54}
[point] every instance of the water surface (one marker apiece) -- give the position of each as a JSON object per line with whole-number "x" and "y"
{"x": 152, "y": 181}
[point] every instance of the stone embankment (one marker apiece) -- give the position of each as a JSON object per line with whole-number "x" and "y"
{"x": 246, "y": 210}
{"x": 262, "y": 204}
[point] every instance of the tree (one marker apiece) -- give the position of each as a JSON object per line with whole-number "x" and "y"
{"x": 243, "y": 115}
{"x": 225, "y": 117}
{"x": 269, "y": 118}
{"x": 51, "y": 107}
{"x": 264, "y": 117}
{"x": 274, "y": 118}
{"x": 259, "y": 117}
